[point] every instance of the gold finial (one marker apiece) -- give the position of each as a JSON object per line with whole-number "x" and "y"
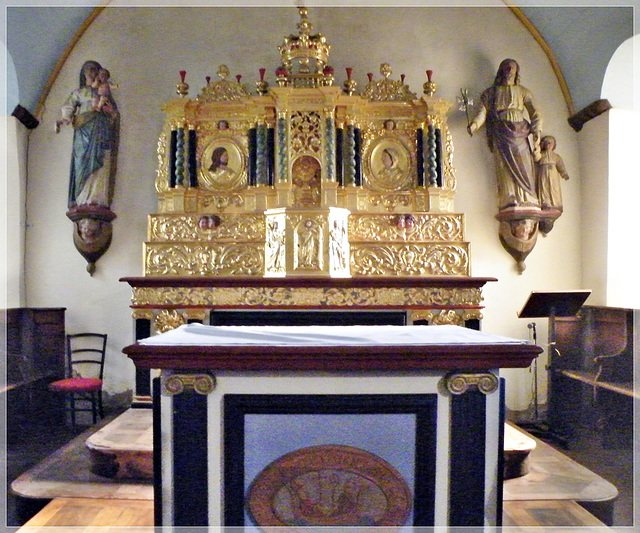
{"x": 304, "y": 26}
{"x": 182, "y": 89}
{"x": 223, "y": 71}
{"x": 429, "y": 86}
{"x": 385, "y": 70}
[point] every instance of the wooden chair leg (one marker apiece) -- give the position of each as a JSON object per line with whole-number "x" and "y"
{"x": 100, "y": 407}
{"x": 72, "y": 408}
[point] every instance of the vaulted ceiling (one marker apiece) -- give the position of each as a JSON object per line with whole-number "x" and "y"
{"x": 581, "y": 37}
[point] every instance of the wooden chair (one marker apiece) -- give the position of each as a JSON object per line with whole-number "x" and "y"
{"x": 85, "y": 355}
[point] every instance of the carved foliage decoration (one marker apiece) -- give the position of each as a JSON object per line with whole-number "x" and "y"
{"x": 424, "y": 227}
{"x": 203, "y": 259}
{"x": 306, "y": 133}
{"x": 230, "y": 228}
{"x": 438, "y": 297}
{"x": 410, "y": 260}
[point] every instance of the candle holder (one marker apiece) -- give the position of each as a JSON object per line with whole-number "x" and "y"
{"x": 261, "y": 85}
{"x": 429, "y": 86}
{"x": 182, "y": 89}
{"x": 282, "y": 76}
{"x": 350, "y": 84}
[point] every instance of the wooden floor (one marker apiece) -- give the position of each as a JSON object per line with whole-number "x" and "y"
{"x": 111, "y": 516}
{"x": 86, "y": 514}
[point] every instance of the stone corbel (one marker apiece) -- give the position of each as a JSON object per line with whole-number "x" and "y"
{"x": 92, "y": 231}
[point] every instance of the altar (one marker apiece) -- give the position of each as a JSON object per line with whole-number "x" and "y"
{"x": 373, "y": 425}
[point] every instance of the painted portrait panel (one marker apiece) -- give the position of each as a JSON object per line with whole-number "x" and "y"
{"x": 223, "y": 166}
{"x": 389, "y": 165}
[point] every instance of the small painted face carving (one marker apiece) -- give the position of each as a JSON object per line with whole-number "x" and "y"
{"x": 548, "y": 143}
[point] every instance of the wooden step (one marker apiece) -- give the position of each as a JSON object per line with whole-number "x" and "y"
{"x": 561, "y": 515}
{"x": 87, "y": 514}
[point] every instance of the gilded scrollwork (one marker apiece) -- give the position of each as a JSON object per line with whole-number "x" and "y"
{"x": 181, "y": 228}
{"x": 425, "y": 227}
{"x": 427, "y": 259}
{"x": 422, "y": 297}
{"x": 203, "y": 259}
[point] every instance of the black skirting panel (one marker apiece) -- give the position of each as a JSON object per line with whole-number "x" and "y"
{"x": 307, "y": 318}
{"x": 157, "y": 454}
{"x": 143, "y": 376}
{"x": 467, "y": 459}
{"x": 190, "y": 460}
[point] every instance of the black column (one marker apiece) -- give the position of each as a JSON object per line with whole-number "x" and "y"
{"x": 190, "y": 460}
{"x": 467, "y": 459}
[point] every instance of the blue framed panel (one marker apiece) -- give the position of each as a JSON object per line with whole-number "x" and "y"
{"x": 398, "y": 430}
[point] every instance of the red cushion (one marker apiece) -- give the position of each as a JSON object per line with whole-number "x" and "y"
{"x": 77, "y": 385}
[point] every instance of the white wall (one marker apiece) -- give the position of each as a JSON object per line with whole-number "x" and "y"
{"x": 144, "y": 48}
{"x": 13, "y": 185}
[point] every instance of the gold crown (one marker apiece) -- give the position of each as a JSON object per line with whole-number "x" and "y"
{"x": 310, "y": 51}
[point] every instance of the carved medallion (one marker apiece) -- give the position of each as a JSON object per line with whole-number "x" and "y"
{"x": 329, "y": 485}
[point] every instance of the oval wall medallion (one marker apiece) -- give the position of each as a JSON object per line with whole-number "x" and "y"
{"x": 329, "y": 485}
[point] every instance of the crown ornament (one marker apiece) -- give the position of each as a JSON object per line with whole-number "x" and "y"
{"x": 304, "y": 57}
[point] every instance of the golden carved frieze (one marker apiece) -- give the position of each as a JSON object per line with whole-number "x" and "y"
{"x": 406, "y": 228}
{"x": 176, "y": 259}
{"x": 229, "y": 228}
{"x": 220, "y": 202}
{"x": 283, "y": 297}
{"x": 390, "y": 202}
{"x": 426, "y": 259}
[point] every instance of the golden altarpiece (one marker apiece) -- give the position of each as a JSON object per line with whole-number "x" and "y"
{"x": 307, "y": 194}
{"x": 304, "y": 199}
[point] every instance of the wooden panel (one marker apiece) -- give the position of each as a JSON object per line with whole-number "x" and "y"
{"x": 85, "y": 514}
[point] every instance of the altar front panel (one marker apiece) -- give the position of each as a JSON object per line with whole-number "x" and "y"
{"x": 435, "y": 495}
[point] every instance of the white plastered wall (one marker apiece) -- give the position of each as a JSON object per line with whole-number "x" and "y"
{"x": 144, "y": 48}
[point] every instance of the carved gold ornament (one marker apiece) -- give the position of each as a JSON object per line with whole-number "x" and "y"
{"x": 308, "y": 296}
{"x": 309, "y": 177}
{"x": 173, "y": 384}
{"x": 167, "y": 320}
{"x": 459, "y": 383}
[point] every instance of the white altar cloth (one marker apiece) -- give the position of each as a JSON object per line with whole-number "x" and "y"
{"x": 200, "y": 335}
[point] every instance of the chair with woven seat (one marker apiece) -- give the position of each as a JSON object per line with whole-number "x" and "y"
{"x": 85, "y": 355}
